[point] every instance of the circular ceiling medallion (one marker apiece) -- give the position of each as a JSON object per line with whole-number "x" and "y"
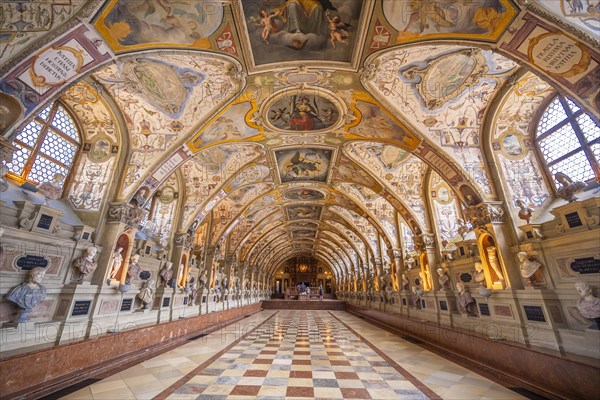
{"x": 303, "y": 110}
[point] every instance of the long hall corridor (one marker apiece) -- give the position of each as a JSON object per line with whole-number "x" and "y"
{"x": 297, "y": 355}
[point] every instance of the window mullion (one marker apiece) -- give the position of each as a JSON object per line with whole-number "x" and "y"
{"x": 563, "y": 157}
{"x": 38, "y": 143}
{"x": 585, "y": 145}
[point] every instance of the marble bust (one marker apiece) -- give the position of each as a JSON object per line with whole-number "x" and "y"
{"x": 52, "y": 190}
{"x": 146, "y": 294}
{"x": 568, "y": 188}
{"x": 588, "y": 305}
{"x": 528, "y": 267}
{"x": 133, "y": 271}
{"x": 443, "y": 278}
{"x": 466, "y": 302}
{"x": 405, "y": 282}
{"x": 166, "y": 273}
{"x": 479, "y": 274}
{"x": 85, "y": 264}
{"x": 29, "y": 294}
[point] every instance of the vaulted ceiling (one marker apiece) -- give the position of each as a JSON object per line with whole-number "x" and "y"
{"x": 296, "y": 128}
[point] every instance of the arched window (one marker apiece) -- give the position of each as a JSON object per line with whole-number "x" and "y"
{"x": 47, "y": 145}
{"x": 569, "y": 140}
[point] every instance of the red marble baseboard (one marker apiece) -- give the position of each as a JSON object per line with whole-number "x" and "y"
{"x": 42, "y": 372}
{"x": 542, "y": 371}
{"x": 277, "y": 304}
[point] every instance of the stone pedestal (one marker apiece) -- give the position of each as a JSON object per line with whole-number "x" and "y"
{"x": 163, "y": 298}
{"x": 76, "y": 304}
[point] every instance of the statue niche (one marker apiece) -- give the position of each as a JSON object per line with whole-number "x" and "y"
{"x": 491, "y": 259}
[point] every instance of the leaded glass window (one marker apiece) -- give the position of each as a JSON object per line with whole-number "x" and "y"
{"x": 47, "y": 145}
{"x": 569, "y": 140}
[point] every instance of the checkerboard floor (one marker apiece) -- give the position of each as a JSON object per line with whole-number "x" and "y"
{"x": 300, "y": 355}
{"x": 296, "y": 354}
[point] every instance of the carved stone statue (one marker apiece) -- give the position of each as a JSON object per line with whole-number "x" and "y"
{"x": 479, "y": 274}
{"x": 29, "y": 294}
{"x": 85, "y": 264}
{"x": 568, "y": 188}
{"x": 466, "y": 302}
{"x": 52, "y": 190}
{"x": 405, "y": 282}
{"x": 494, "y": 262}
{"x": 443, "y": 278}
{"x": 180, "y": 276}
{"x": 525, "y": 212}
{"x": 117, "y": 260}
{"x": 203, "y": 279}
{"x": 528, "y": 267}
{"x": 133, "y": 272}
{"x": 416, "y": 297}
{"x": 166, "y": 273}
{"x": 192, "y": 294}
{"x": 588, "y": 305}
{"x": 410, "y": 261}
{"x": 146, "y": 294}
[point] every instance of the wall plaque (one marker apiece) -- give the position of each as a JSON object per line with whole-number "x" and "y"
{"x": 126, "y": 304}
{"x": 573, "y": 219}
{"x": 85, "y": 236}
{"x": 45, "y": 221}
{"x": 166, "y": 302}
{"x": 443, "y": 305}
{"x": 403, "y": 302}
{"x": 586, "y": 265}
{"x": 81, "y": 307}
{"x": 503, "y": 311}
{"x": 484, "y": 309}
{"x": 423, "y": 304}
{"x": 466, "y": 277}
{"x": 534, "y": 313}
{"x": 29, "y": 262}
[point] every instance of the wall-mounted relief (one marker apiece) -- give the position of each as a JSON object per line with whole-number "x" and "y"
{"x": 307, "y": 110}
{"x": 303, "y": 164}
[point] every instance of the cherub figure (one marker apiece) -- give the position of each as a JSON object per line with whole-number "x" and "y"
{"x": 338, "y": 30}
{"x": 267, "y": 22}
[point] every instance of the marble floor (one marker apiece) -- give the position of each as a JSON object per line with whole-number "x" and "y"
{"x": 297, "y": 355}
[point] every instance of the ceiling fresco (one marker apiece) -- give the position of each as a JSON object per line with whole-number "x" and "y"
{"x": 284, "y": 31}
{"x": 273, "y": 129}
